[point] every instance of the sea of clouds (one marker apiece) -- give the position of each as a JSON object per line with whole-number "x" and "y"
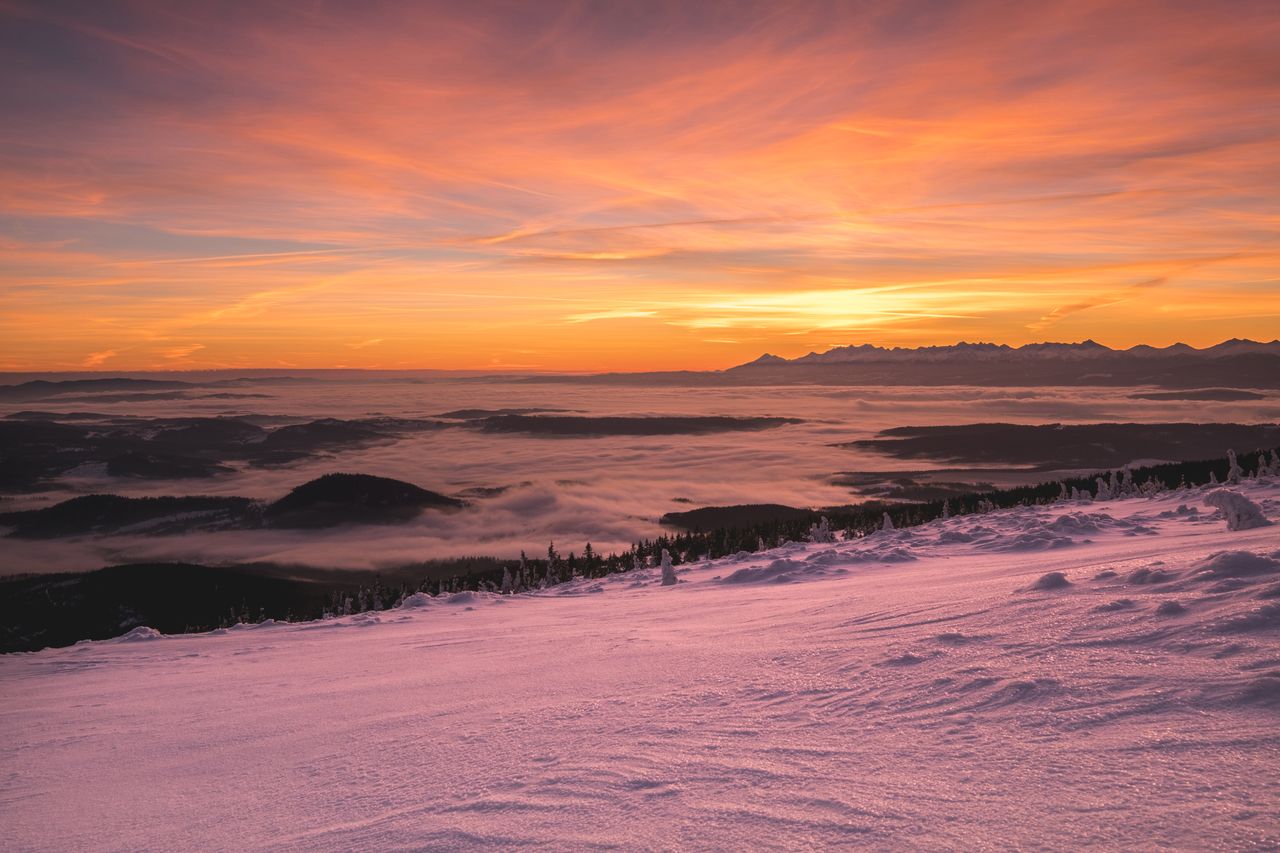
{"x": 609, "y": 491}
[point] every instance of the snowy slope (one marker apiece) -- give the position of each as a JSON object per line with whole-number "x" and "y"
{"x": 915, "y": 689}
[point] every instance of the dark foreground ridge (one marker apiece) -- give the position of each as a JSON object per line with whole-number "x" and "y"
{"x": 37, "y": 611}
{"x": 327, "y": 501}
{"x": 568, "y": 425}
{"x": 354, "y": 498}
{"x": 37, "y": 447}
{"x": 1057, "y": 446}
{"x": 96, "y": 514}
{"x": 712, "y": 517}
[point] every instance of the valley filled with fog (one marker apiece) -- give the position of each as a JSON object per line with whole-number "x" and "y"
{"x": 538, "y": 460}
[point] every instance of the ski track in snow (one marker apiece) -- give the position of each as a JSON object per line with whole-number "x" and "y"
{"x": 926, "y": 688}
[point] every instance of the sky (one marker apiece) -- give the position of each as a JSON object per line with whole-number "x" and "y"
{"x": 628, "y": 185}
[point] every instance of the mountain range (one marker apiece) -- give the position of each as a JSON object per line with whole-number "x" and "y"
{"x": 1085, "y": 350}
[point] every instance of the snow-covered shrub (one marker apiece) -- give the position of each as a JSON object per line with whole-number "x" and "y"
{"x": 1240, "y": 512}
{"x": 668, "y": 572}
{"x": 888, "y": 522}
{"x": 1052, "y": 580}
{"x": 140, "y": 633}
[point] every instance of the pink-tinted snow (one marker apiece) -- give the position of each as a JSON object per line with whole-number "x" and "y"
{"x": 916, "y": 689}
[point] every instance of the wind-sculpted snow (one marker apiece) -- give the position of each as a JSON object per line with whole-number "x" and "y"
{"x": 919, "y": 688}
{"x": 139, "y": 634}
{"x": 1240, "y": 564}
{"x": 466, "y": 598}
{"x": 1051, "y": 580}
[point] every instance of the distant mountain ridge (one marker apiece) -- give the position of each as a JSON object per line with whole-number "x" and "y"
{"x": 1082, "y": 351}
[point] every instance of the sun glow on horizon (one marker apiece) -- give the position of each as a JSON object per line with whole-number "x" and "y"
{"x": 628, "y": 187}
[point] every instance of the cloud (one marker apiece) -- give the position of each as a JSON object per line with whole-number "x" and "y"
{"x": 182, "y": 352}
{"x": 94, "y": 359}
{"x": 609, "y": 491}
{"x": 203, "y": 167}
{"x": 619, "y": 314}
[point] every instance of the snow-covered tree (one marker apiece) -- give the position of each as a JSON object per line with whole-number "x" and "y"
{"x": 822, "y": 532}
{"x": 523, "y": 580}
{"x": 552, "y": 577}
{"x": 946, "y": 509}
{"x": 1104, "y": 491}
{"x": 668, "y": 572}
{"x": 1234, "y": 471}
{"x": 1240, "y": 512}
{"x": 508, "y": 585}
{"x": 1213, "y": 479}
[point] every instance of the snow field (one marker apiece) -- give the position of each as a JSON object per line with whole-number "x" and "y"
{"x": 923, "y": 688}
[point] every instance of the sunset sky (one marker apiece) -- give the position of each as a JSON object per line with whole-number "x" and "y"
{"x": 628, "y": 185}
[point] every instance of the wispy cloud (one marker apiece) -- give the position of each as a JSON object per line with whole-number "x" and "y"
{"x": 459, "y": 176}
{"x": 181, "y": 353}
{"x": 619, "y": 314}
{"x": 94, "y": 359}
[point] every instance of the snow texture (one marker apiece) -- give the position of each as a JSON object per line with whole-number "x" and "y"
{"x": 922, "y": 688}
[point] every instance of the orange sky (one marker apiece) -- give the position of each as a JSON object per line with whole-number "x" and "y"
{"x": 628, "y": 185}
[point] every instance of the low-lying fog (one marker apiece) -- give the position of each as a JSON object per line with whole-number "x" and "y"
{"x": 608, "y": 491}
